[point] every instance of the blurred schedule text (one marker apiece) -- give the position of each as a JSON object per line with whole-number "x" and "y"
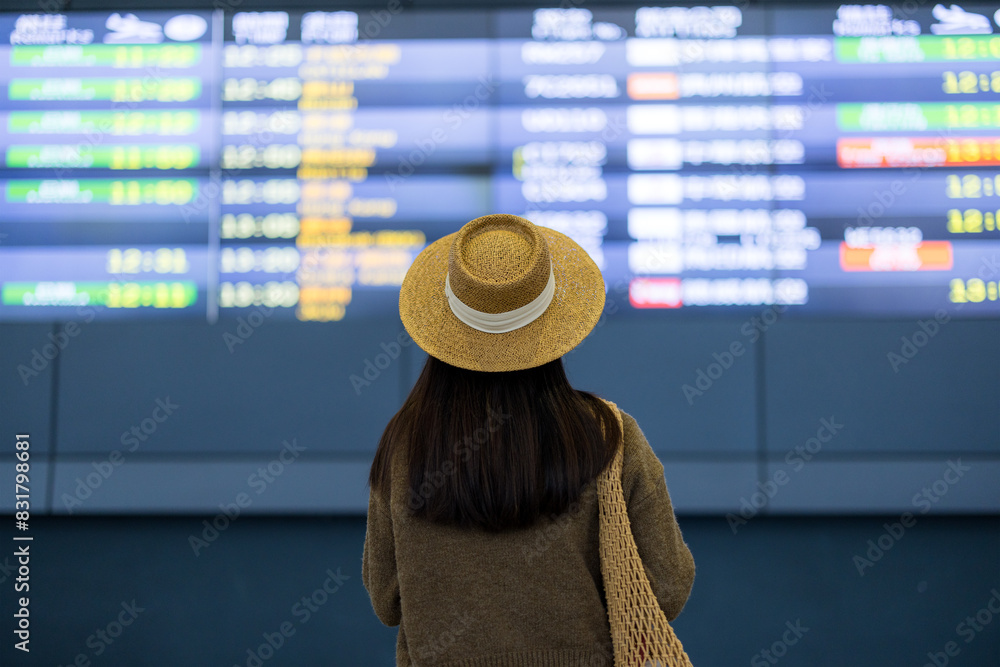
{"x": 838, "y": 159}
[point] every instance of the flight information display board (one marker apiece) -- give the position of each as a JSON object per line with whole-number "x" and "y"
{"x": 839, "y": 160}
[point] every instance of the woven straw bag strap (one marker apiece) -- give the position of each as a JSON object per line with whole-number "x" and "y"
{"x": 640, "y": 632}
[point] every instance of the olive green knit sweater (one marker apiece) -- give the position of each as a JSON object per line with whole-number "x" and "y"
{"x": 529, "y": 597}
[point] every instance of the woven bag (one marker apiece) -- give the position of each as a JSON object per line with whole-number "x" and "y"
{"x": 641, "y": 635}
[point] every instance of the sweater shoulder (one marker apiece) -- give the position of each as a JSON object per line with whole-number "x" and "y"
{"x": 642, "y": 469}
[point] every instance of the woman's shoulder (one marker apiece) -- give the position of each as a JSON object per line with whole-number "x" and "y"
{"x": 633, "y": 435}
{"x": 641, "y": 467}
{"x": 630, "y": 427}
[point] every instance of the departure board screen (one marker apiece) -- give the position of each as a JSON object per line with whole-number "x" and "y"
{"x": 839, "y": 160}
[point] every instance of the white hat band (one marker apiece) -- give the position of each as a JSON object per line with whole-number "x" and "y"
{"x": 502, "y": 322}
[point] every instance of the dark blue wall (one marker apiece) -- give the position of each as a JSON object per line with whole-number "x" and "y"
{"x": 885, "y": 451}
{"x": 210, "y": 609}
{"x": 808, "y": 416}
{"x": 812, "y": 440}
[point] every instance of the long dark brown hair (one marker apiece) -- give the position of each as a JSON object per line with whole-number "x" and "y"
{"x": 495, "y": 450}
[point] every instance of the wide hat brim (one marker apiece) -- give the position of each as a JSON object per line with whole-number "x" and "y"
{"x": 574, "y": 311}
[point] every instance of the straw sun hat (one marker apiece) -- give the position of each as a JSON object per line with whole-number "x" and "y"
{"x": 501, "y": 294}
